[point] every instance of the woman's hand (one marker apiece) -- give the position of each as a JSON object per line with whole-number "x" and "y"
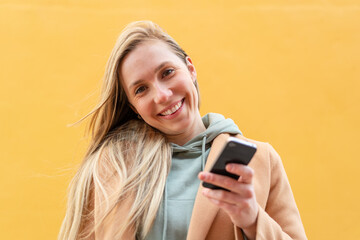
{"x": 240, "y": 203}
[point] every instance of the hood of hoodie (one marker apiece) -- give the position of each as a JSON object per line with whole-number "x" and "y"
{"x": 215, "y": 124}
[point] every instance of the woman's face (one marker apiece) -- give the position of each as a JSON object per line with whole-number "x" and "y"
{"x": 160, "y": 88}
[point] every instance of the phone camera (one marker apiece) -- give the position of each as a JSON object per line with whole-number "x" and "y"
{"x": 232, "y": 144}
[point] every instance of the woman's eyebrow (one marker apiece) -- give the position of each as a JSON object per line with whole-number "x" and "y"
{"x": 161, "y": 65}
{"x": 155, "y": 70}
{"x": 135, "y": 83}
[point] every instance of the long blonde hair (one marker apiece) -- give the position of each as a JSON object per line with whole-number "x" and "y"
{"x": 122, "y": 148}
{"x": 132, "y": 160}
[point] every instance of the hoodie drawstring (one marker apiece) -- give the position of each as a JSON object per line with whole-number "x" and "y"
{"x": 165, "y": 213}
{"x": 203, "y": 153}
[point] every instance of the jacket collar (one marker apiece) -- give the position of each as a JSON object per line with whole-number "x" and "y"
{"x": 204, "y": 211}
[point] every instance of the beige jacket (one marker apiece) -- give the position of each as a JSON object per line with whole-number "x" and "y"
{"x": 278, "y": 216}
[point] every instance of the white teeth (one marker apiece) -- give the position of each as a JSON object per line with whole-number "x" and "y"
{"x": 172, "y": 110}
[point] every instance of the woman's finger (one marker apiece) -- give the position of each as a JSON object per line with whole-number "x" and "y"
{"x": 228, "y": 207}
{"x": 228, "y": 197}
{"x": 246, "y": 173}
{"x": 238, "y": 211}
{"x": 224, "y": 182}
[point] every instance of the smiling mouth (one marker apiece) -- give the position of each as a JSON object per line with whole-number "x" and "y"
{"x": 173, "y": 109}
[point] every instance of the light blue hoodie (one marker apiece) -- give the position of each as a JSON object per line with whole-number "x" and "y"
{"x": 173, "y": 217}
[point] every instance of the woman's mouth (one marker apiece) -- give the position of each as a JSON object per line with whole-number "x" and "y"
{"x": 173, "y": 109}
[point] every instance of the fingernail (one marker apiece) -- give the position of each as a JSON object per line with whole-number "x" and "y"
{"x": 229, "y": 167}
{"x": 204, "y": 174}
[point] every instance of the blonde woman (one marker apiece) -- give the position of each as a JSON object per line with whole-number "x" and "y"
{"x": 140, "y": 178}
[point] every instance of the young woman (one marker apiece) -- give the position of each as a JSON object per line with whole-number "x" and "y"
{"x": 140, "y": 178}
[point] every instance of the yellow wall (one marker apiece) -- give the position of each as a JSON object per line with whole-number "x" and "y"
{"x": 288, "y": 72}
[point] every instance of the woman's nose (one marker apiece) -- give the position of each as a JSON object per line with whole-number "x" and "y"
{"x": 162, "y": 94}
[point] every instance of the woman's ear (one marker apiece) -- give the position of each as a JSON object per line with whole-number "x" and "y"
{"x": 191, "y": 67}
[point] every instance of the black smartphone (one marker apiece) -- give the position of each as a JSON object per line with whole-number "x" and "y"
{"x": 234, "y": 151}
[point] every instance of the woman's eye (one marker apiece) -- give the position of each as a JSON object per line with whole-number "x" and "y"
{"x": 139, "y": 90}
{"x": 167, "y": 72}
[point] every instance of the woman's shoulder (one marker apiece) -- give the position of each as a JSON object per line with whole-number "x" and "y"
{"x": 267, "y": 164}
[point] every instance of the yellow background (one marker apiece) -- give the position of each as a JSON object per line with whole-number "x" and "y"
{"x": 288, "y": 72}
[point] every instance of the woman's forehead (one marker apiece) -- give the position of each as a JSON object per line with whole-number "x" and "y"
{"x": 146, "y": 58}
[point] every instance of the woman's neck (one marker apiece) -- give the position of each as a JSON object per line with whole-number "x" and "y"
{"x": 180, "y": 139}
